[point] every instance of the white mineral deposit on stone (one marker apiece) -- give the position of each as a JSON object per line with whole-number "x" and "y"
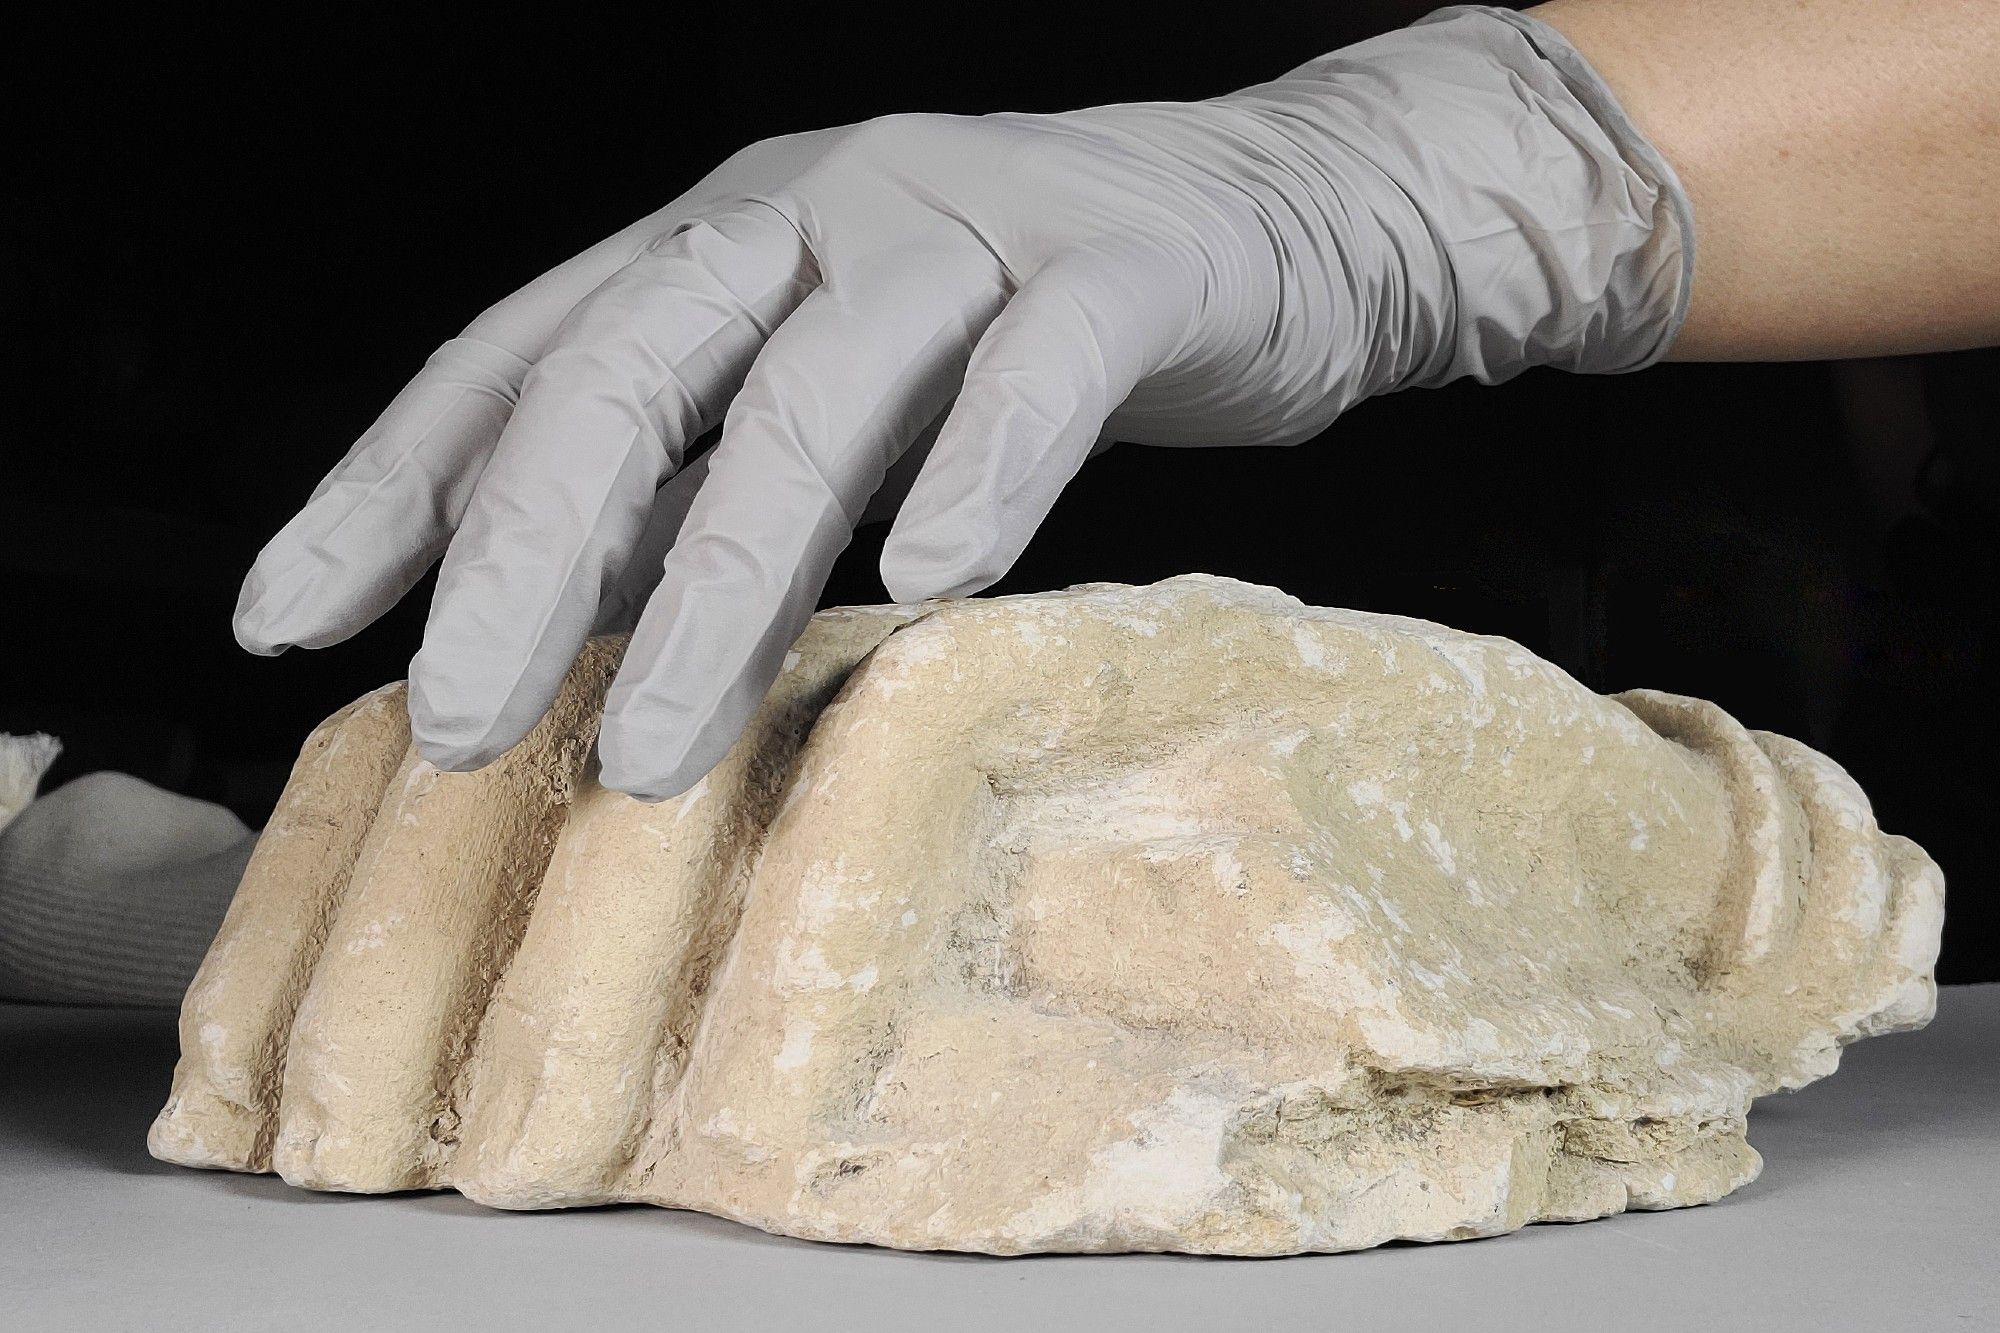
{"x": 1183, "y": 917}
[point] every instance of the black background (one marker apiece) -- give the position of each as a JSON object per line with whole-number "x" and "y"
{"x": 229, "y": 246}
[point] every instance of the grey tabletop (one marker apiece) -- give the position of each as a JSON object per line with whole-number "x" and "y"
{"x": 1879, "y": 1208}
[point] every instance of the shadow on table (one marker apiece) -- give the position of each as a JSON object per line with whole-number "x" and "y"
{"x": 83, "y": 1085}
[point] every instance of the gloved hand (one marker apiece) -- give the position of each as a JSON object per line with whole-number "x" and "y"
{"x": 1462, "y": 197}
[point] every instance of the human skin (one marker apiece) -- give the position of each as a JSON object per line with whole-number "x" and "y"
{"x": 1842, "y": 157}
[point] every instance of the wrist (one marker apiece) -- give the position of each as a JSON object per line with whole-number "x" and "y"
{"x": 1492, "y": 207}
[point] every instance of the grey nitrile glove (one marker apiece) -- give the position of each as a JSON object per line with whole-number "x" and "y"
{"x": 1461, "y": 197}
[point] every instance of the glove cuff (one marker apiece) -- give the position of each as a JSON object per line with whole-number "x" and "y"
{"x": 1648, "y": 281}
{"x": 1491, "y": 206}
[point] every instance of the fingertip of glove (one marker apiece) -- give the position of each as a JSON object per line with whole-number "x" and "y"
{"x": 647, "y": 768}
{"x": 454, "y": 756}
{"x": 252, "y": 635}
{"x": 641, "y": 785}
{"x": 266, "y": 621}
{"x": 914, "y": 571}
{"x": 455, "y": 740}
{"x": 259, "y": 647}
{"x": 649, "y": 793}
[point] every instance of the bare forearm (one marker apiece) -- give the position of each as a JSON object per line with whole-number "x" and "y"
{"x": 1842, "y": 156}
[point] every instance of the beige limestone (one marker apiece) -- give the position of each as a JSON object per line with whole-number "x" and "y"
{"x": 1184, "y": 917}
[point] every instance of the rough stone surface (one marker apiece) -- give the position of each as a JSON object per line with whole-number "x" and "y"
{"x": 1184, "y": 917}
